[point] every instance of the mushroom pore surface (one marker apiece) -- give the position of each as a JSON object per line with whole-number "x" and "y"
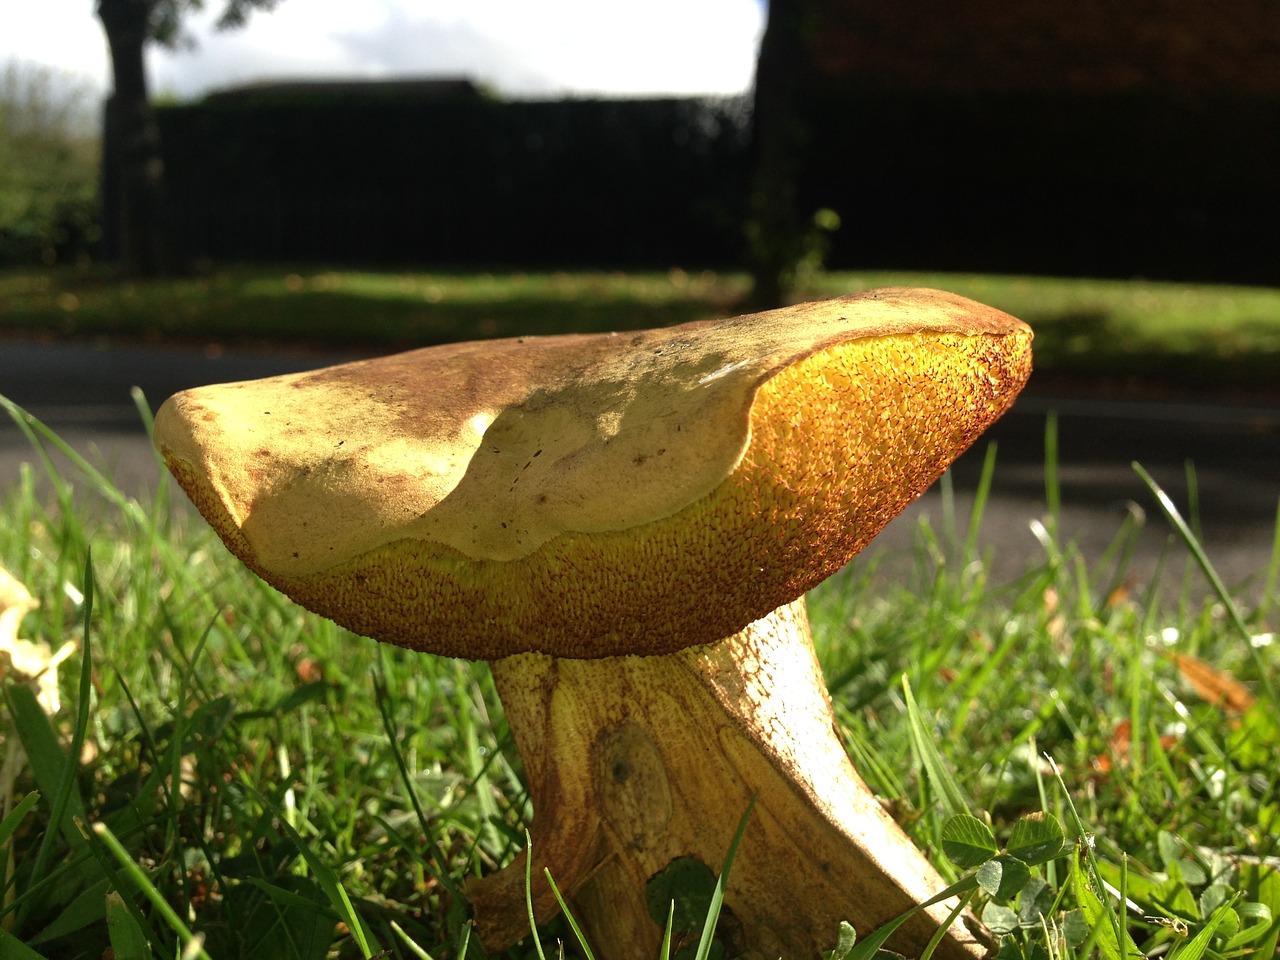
{"x": 803, "y": 455}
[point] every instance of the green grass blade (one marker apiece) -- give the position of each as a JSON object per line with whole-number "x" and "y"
{"x": 128, "y": 942}
{"x": 465, "y": 941}
{"x": 939, "y": 777}
{"x": 11, "y": 948}
{"x": 38, "y": 434}
{"x": 664, "y": 951}
{"x": 85, "y": 698}
{"x": 717, "y": 897}
{"x": 1193, "y": 499}
{"x": 1256, "y": 923}
{"x": 138, "y": 877}
{"x": 528, "y": 894}
{"x": 869, "y": 945}
{"x": 1272, "y": 579}
{"x": 281, "y": 897}
{"x": 17, "y": 815}
{"x": 87, "y": 908}
{"x": 1264, "y": 887}
{"x": 1174, "y": 516}
{"x": 950, "y": 531}
{"x": 435, "y": 863}
{"x": 49, "y": 763}
{"x": 569, "y": 917}
{"x": 1197, "y": 946}
{"x": 144, "y": 414}
{"x": 409, "y": 943}
{"x": 945, "y": 928}
{"x": 331, "y": 886}
{"x": 1106, "y": 928}
{"x": 1170, "y": 510}
{"x": 982, "y": 494}
{"x": 1052, "y": 482}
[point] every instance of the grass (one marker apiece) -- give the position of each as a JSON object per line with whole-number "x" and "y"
{"x": 346, "y": 308}
{"x": 1117, "y": 335}
{"x": 232, "y": 777}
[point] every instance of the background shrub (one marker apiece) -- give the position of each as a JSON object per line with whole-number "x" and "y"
{"x": 48, "y": 165}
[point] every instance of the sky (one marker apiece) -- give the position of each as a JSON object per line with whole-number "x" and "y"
{"x": 519, "y": 48}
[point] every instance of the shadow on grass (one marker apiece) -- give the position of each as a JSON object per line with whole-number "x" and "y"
{"x": 342, "y": 319}
{"x": 1091, "y": 347}
{"x": 1091, "y": 336}
{"x": 389, "y": 311}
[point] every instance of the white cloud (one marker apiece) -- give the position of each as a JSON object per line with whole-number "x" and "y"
{"x": 57, "y": 33}
{"x": 658, "y": 46}
{"x": 518, "y": 47}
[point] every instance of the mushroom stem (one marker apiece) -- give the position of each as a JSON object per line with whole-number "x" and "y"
{"x": 634, "y": 762}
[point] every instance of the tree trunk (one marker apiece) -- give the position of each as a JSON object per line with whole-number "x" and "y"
{"x": 134, "y": 215}
{"x": 775, "y": 232}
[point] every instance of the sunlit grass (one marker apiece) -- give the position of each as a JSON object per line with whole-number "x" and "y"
{"x": 1180, "y": 337}
{"x": 374, "y": 309}
{"x": 1176, "y": 337}
{"x": 290, "y": 789}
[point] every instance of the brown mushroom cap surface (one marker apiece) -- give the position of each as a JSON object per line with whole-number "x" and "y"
{"x": 594, "y": 495}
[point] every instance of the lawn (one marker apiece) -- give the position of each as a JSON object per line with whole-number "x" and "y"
{"x": 1098, "y": 334}
{"x": 226, "y": 773}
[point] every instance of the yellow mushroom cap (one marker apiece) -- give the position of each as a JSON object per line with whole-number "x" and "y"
{"x": 594, "y": 495}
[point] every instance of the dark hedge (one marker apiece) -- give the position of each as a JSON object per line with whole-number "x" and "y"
{"x": 460, "y": 181}
{"x": 1103, "y": 185}
{"x": 1107, "y": 185}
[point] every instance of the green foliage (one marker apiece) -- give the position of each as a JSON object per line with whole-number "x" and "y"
{"x": 938, "y": 775}
{"x": 268, "y": 785}
{"x": 683, "y": 890}
{"x": 846, "y": 940}
{"x": 1033, "y": 921}
{"x": 967, "y": 841}
{"x": 1178, "y": 338}
{"x": 1175, "y": 830}
{"x": 685, "y": 897}
{"x": 871, "y": 946}
{"x": 166, "y": 16}
{"x": 48, "y": 166}
{"x": 193, "y": 796}
{"x": 1036, "y": 839}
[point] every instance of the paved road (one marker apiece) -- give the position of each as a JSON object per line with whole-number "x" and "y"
{"x": 84, "y": 393}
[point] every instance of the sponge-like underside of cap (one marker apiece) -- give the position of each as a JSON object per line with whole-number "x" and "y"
{"x": 839, "y": 443}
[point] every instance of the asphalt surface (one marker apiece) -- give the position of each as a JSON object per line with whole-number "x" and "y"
{"x": 84, "y": 393}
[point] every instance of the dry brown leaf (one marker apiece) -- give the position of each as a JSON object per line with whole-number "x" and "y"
{"x": 1217, "y": 687}
{"x": 1120, "y": 748}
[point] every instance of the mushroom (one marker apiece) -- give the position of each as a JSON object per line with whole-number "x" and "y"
{"x": 626, "y": 524}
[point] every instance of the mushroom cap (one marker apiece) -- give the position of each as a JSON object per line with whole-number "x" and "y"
{"x": 594, "y": 495}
